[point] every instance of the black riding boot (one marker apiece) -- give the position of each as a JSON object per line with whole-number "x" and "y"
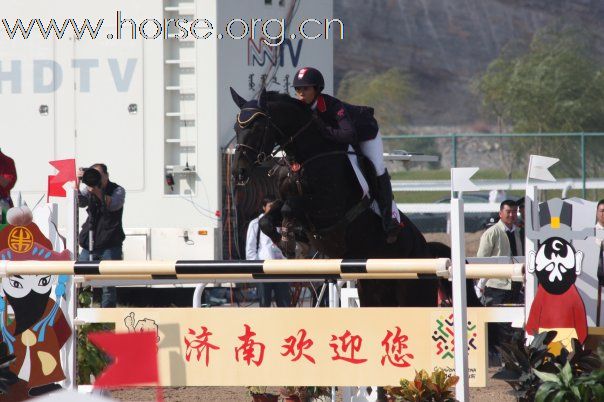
{"x": 384, "y": 199}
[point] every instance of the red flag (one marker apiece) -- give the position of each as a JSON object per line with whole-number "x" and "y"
{"x": 66, "y": 173}
{"x": 134, "y": 358}
{"x": 54, "y": 189}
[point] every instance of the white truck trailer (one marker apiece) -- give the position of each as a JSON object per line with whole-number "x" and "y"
{"x": 143, "y": 86}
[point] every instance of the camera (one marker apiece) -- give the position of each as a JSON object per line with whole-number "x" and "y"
{"x": 91, "y": 177}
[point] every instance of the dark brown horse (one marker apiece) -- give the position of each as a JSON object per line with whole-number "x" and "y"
{"x": 320, "y": 191}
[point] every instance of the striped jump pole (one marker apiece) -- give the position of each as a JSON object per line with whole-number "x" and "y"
{"x": 267, "y": 269}
{"x": 515, "y": 272}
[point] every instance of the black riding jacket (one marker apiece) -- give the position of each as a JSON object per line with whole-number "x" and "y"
{"x": 342, "y": 120}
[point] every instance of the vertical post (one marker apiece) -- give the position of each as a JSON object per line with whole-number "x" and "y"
{"x": 71, "y": 294}
{"x": 531, "y": 201}
{"x": 453, "y": 150}
{"x": 583, "y": 165}
{"x": 333, "y": 303}
{"x": 460, "y": 304}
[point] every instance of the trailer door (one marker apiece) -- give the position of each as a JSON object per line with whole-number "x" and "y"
{"x": 109, "y": 108}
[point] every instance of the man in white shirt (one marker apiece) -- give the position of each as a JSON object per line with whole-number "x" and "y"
{"x": 259, "y": 246}
{"x": 501, "y": 239}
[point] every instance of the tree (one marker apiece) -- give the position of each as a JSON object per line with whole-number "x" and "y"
{"x": 553, "y": 85}
{"x": 387, "y": 93}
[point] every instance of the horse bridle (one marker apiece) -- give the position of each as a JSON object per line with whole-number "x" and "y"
{"x": 261, "y": 155}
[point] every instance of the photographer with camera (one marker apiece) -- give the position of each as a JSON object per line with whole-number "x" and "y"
{"x": 102, "y": 234}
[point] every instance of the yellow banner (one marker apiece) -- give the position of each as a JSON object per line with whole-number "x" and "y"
{"x": 301, "y": 346}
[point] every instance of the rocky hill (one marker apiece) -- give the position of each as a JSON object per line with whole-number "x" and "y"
{"x": 444, "y": 44}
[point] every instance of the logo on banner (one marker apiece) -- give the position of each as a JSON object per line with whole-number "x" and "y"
{"x": 444, "y": 337}
{"x": 259, "y": 53}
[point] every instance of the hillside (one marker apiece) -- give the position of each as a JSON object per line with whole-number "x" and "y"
{"x": 444, "y": 44}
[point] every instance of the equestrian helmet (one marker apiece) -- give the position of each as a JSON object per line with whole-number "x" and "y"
{"x": 309, "y": 77}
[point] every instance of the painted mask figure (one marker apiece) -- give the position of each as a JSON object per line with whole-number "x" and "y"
{"x": 28, "y": 296}
{"x": 39, "y": 329}
{"x": 557, "y": 265}
{"x": 557, "y": 305}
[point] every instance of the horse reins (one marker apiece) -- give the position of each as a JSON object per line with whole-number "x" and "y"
{"x": 261, "y": 156}
{"x": 291, "y": 138}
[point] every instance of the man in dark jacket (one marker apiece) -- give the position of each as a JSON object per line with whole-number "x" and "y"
{"x": 104, "y": 202}
{"x": 354, "y": 125}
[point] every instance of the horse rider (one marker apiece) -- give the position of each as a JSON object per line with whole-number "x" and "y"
{"x": 341, "y": 123}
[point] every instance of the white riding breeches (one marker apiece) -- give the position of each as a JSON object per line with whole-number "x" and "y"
{"x": 374, "y": 150}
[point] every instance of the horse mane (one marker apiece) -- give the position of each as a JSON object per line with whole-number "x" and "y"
{"x": 280, "y": 97}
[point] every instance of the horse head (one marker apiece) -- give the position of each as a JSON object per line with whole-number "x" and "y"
{"x": 255, "y": 141}
{"x": 267, "y": 125}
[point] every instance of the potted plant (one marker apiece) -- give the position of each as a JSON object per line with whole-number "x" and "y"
{"x": 425, "y": 387}
{"x": 304, "y": 394}
{"x": 260, "y": 394}
{"x": 564, "y": 386}
{"x": 527, "y": 368}
{"x": 318, "y": 393}
{"x": 519, "y": 361}
{"x": 290, "y": 394}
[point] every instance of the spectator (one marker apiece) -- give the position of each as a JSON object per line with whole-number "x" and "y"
{"x": 259, "y": 246}
{"x": 104, "y": 201}
{"x": 501, "y": 239}
{"x": 8, "y": 178}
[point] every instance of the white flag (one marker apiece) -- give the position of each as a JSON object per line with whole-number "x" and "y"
{"x": 460, "y": 179}
{"x": 538, "y": 167}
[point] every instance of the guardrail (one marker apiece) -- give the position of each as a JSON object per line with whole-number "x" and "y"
{"x": 445, "y": 185}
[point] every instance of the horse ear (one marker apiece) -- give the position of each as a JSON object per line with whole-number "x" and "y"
{"x": 262, "y": 100}
{"x": 239, "y": 101}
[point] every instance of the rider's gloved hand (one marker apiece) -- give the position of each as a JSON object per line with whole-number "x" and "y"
{"x": 320, "y": 125}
